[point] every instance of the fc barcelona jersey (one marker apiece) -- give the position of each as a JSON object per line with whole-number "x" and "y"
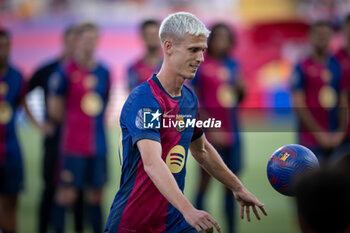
{"x": 86, "y": 94}
{"x": 12, "y": 91}
{"x": 147, "y": 114}
{"x": 321, "y": 85}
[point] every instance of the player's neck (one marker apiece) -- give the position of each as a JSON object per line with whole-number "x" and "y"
{"x": 170, "y": 82}
{"x": 320, "y": 56}
{"x": 3, "y": 69}
{"x": 87, "y": 62}
{"x": 152, "y": 58}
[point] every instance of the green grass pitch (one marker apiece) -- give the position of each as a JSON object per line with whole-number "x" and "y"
{"x": 257, "y": 149}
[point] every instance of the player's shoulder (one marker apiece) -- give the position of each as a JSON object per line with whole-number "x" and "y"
{"x": 140, "y": 97}
{"x": 49, "y": 65}
{"x": 231, "y": 61}
{"x": 142, "y": 91}
{"x": 103, "y": 67}
{"x": 14, "y": 72}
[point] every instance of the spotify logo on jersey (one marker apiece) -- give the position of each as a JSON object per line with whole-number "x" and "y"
{"x": 176, "y": 159}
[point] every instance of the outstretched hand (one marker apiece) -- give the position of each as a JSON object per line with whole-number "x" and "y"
{"x": 201, "y": 221}
{"x": 247, "y": 200}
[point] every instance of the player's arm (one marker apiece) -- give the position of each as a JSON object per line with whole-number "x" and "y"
{"x": 210, "y": 160}
{"x": 55, "y": 105}
{"x": 57, "y": 86}
{"x": 165, "y": 182}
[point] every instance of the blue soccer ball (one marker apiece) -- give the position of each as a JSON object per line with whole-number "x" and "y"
{"x": 287, "y": 163}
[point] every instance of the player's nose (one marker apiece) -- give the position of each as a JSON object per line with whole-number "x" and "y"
{"x": 200, "y": 56}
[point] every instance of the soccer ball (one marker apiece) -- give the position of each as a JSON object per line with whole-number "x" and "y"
{"x": 287, "y": 163}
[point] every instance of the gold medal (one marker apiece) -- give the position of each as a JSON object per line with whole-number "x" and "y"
{"x": 327, "y": 97}
{"x": 226, "y": 96}
{"x": 91, "y": 104}
{"x": 90, "y": 81}
{"x": 3, "y": 88}
{"x": 5, "y": 113}
{"x": 326, "y": 76}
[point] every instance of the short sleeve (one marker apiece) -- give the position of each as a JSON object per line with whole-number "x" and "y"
{"x": 141, "y": 116}
{"x": 297, "y": 79}
{"x": 197, "y": 132}
{"x": 57, "y": 83}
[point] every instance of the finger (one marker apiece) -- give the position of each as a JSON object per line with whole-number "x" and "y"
{"x": 198, "y": 228}
{"x": 242, "y": 212}
{"x": 203, "y": 227}
{"x": 207, "y": 224}
{"x": 247, "y": 210}
{"x": 215, "y": 223}
{"x": 256, "y": 212}
{"x": 263, "y": 210}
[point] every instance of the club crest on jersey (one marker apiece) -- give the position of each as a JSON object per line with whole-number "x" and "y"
{"x": 176, "y": 159}
{"x": 181, "y": 125}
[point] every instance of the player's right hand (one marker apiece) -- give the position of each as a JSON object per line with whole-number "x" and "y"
{"x": 201, "y": 221}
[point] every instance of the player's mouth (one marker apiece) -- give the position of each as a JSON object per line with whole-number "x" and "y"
{"x": 194, "y": 67}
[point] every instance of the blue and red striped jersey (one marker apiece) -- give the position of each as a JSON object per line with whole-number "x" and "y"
{"x": 86, "y": 94}
{"x": 12, "y": 92}
{"x": 139, "y": 206}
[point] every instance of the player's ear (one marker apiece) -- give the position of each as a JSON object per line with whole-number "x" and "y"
{"x": 168, "y": 47}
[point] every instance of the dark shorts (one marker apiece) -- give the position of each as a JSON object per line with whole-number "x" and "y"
{"x": 81, "y": 172}
{"x": 11, "y": 178}
{"x": 232, "y": 157}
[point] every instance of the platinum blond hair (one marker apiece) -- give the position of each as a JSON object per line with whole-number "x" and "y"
{"x": 178, "y": 24}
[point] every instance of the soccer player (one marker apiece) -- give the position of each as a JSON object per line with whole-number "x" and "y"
{"x": 220, "y": 88}
{"x": 315, "y": 90}
{"x": 343, "y": 57}
{"x": 51, "y": 131}
{"x": 78, "y": 94}
{"x": 150, "y": 62}
{"x": 12, "y": 91}
{"x": 150, "y": 198}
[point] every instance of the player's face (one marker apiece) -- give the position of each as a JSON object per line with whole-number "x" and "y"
{"x": 150, "y": 37}
{"x": 86, "y": 42}
{"x": 320, "y": 37}
{"x": 187, "y": 55}
{"x": 70, "y": 42}
{"x": 4, "y": 50}
{"x": 221, "y": 43}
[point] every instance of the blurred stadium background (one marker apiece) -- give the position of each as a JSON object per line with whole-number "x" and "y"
{"x": 272, "y": 35}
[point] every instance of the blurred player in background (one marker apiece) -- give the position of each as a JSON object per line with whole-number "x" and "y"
{"x": 220, "y": 88}
{"x": 150, "y": 62}
{"x": 343, "y": 57}
{"x": 315, "y": 91}
{"x": 78, "y": 94}
{"x": 150, "y": 198}
{"x": 316, "y": 213}
{"x": 12, "y": 92}
{"x": 51, "y": 131}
